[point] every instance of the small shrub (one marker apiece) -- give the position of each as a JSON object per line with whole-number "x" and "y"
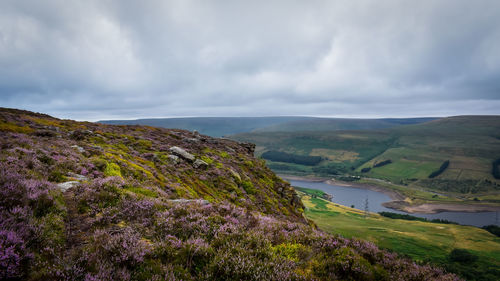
{"x": 383, "y": 163}
{"x": 112, "y": 170}
{"x": 462, "y": 256}
{"x": 441, "y": 169}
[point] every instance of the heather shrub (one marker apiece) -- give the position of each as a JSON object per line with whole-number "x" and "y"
{"x": 120, "y": 221}
{"x": 14, "y": 257}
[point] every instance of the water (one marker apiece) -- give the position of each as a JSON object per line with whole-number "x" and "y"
{"x": 349, "y": 196}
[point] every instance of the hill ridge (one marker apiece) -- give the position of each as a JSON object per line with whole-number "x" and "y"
{"x": 88, "y": 201}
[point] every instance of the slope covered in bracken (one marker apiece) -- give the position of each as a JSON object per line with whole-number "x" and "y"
{"x": 87, "y": 201}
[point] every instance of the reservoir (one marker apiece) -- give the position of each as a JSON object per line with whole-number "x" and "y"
{"x": 349, "y": 196}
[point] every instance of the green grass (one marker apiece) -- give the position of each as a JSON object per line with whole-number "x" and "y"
{"x": 423, "y": 241}
{"x": 310, "y": 191}
{"x": 470, "y": 143}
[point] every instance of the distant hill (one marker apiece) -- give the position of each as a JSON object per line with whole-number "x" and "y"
{"x": 334, "y": 124}
{"x": 470, "y": 143}
{"x": 211, "y": 126}
{"x": 225, "y": 126}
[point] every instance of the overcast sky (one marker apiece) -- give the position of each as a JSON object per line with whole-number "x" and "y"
{"x": 105, "y": 59}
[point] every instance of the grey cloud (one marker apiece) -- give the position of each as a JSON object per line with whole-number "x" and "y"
{"x": 128, "y": 59}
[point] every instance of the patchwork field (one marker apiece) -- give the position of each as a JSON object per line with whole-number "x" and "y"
{"x": 413, "y": 152}
{"x": 423, "y": 241}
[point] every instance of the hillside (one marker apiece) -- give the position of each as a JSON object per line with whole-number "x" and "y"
{"x": 225, "y": 126}
{"x": 421, "y": 240}
{"x": 88, "y": 201}
{"x": 336, "y": 124}
{"x": 211, "y": 126}
{"x": 404, "y": 155}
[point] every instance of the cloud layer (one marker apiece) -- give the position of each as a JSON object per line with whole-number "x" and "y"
{"x": 127, "y": 59}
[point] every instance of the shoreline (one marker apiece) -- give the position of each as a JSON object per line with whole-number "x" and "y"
{"x": 398, "y": 202}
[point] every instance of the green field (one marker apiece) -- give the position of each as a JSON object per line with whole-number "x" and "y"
{"x": 423, "y": 241}
{"x": 469, "y": 143}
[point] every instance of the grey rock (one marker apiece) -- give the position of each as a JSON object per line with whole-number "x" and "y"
{"x": 182, "y": 153}
{"x": 67, "y": 185}
{"x": 79, "y": 148}
{"x": 192, "y": 140}
{"x": 184, "y": 201}
{"x": 200, "y": 164}
{"x": 174, "y": 159}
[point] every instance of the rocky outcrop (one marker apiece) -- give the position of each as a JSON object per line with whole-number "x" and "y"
{"x": 67, "y": 185}
{"x": 182, "y": 153}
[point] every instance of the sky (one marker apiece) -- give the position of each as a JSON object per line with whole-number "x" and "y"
{"x": 126, "y": 59}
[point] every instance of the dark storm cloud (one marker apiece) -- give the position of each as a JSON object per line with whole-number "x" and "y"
{"x": 126, "y": 59}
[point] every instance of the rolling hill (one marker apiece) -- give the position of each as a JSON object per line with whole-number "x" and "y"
{"x": 88, "y": 201}
{"x": 225, "y": 126}
{"x": 211, "y": 126}
{"x": 405, "y": 155}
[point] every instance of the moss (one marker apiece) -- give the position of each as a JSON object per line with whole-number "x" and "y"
{"x": 11, "y": 127}
{"x": 99, "y": 163}
{"x": 223, "y": 154}
{"x": 133, "y": 169}
{"x": 52, "y": 230}
{"x": 249, "y": 187}
{"x": 43, "y": 121}
{"x": 207, "y": 159}
{"x": 290, "y": 251}
{"x": 112, "y": 170}
{"x": 143, "y": 145}
{"x": 142, "y": 191}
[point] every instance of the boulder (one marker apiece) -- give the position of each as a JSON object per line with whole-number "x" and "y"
{"x": 67, "y": 185}
{"x": 79, "y": 148}
{"x": 182, "y": 153}
{"x": 192, "y": 140}
{"x": 200, "y": 164}
{"x": 173, "y": 158}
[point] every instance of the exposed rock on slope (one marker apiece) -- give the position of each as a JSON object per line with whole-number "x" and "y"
{"x": 86, "y": 201}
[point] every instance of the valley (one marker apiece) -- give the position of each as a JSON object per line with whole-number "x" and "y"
{"x": 400, "y": 159}
{"x": 424, "y": 241}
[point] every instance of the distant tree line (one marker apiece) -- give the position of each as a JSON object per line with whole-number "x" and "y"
{"x": 383, "y": 163}
{"x": 413, "y": 218}
{"x": 441, "y": 169}
{"x": 494, "y": 229}
{"x": 496, "y": 169}
{"x": 279, "y": 156}
{"x": 331, "y": 169}
{"x": 365, "y": 170}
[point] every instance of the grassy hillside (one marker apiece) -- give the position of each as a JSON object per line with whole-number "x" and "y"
{"x": 470, "y": 143}
{"x": 422, "y": 241}
{"x": 87, "y": 201}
